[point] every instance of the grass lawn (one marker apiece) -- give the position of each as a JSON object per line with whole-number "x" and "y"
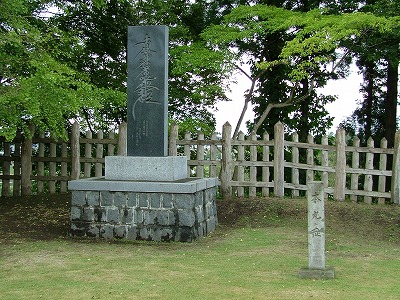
{"x": 256, "y": 253}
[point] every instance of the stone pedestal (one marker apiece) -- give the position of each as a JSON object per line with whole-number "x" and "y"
{"x": 168, "y": 168}
{"x": 182, "y": 210}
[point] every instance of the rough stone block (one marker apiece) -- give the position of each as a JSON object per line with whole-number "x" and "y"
{"x": 155, "y": 200}
{"x": 106, "y": 198}
{"x": 93, "y": 198}
{"x": 139, "y": 216}
{"x": 167, "y": 200}
{"x": 76, "y": 213}
{"x": 93, "y": 231}
{"x": 199, "y": 198}
{"x": 131, "y": 232}
{"x": 120, "y": 199}
{"x": 107, "y": 231}
{"x": 78, "y": 198}
{"x": 199, "y": 214}
{"x": 88, "y": 214}
{"x": 165, "y": 218}
{"x": 100, "y": 214}
{"x": 145, "y": 233}
{"x": 211, "y": 224}
{"x": 184, "y": 201}
{"x": 77, "y": 229}
{"x": 186, "y": 218}
{"x": 120, "y": 231}
{"x": 185, "y": 234}
{"x": 143, "y": 200}
{"x": 150, "y": 217}
{"x": 127, "y": 216}
{"x": 113, "y": 215}
{"x": 132, "y": 200}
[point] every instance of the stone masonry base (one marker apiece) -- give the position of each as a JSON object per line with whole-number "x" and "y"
{"x": 152, "y": 216}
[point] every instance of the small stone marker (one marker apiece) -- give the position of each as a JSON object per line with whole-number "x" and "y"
{"x": 147, "y": 90}
{"x": 316, "y": 234}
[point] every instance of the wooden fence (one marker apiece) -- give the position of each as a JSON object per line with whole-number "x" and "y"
{"x": 246, "y": 166}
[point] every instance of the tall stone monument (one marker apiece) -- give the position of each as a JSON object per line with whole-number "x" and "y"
{"x": 316, "y": 234}
{"x": 146, "y": 195}
{"x": 147, "y": 90}
{"x": 147, "y": 111}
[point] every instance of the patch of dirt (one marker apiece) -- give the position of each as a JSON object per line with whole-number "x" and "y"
{"x": 36, "y": 217}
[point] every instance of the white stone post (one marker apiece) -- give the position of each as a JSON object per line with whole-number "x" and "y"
{"x": 316, "y": 234}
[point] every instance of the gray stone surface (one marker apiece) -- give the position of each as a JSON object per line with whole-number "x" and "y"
{"x": 147, "y": 216}
{"x": 190, "y": 185}
{"x": 147, "y": 90}
{"x": 168, "y": 168}
{"x": 327, "y": 273}
{"x": 316, "y": 225}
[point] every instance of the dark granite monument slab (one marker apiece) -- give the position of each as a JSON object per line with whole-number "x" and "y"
{"x": 147, "y": 90}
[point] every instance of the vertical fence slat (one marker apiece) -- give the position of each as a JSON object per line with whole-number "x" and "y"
{"x": 395, "y": 188}
{"x": 382, "y": 167}
{"x": 226, "y": 162}
{"x": 111, "y": 147}
{"x": 186, "y": 150}
{"x": 355, "y": 164}
{"x": 279, "y": 160}
{"x": 325, "y": 163}
{"x": 310, "y": 159}
{"x": 340, "y": 169}
{"x": 213, "y": 156}
{"x": 369, "y": 165}
{"x": 173, "y": 137}
{"x": 17, "y": 166}
{"x": 52, "y": 167}
{"x": 75, "y": 152}
{"x": 122, "y": 140}
{"x": 87, "y": 167}
{"x": 295, "y": 160}
{"x": 253, "y": 170}
{"x": 64, "y": 167}
{"x": 98, "y": 169}
{"x": 40, "y": 165}
{"x": 200, "y": 156}
{"x": 265, "y": 169}
{"x": 5, "y": 187}
{"x": 240, "y": 168}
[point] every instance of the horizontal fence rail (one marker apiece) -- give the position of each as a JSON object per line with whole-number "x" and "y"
{"x": 248, "y": 166}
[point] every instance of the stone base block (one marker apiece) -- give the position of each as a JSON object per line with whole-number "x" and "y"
{"x": 169, "y": 211}
{"x": 168, "y": 168}
{"x": 327, "y": 273}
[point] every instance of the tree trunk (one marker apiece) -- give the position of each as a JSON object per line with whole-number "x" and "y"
{"x": 369, "y": 99}
{"x": 391, "y": 102}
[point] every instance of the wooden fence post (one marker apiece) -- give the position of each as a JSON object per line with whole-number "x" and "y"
{"x": 369, "y": 165}
{"x": 122, "y": 140}
{"x": 325, "y": 163}
{"x": 17, "y": 166}
{"x": 226, "y": 162}
{"x": 75, "y": 152}
{"x": 26, "y": 162}
{"x": 253, "y": 170}
{"x": 5, "y": 187}
{"x": 340, "y": 169}
{"x": 395, "y": 190}
{"x": 173, "y": 137}
{"x": 240, "y": 168}
{"x": 295, "y": 160}
{"x": 213, "y": 156}
{"x": 52, "y": 166}
{"x": 382, "y": 166}
{"x": 279, "y": 160}
{"x": 200, "y": 156}
{"x": 265, "y": 170}
{"x": 98, "y": 167}
{"x": 355, "y": 163}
